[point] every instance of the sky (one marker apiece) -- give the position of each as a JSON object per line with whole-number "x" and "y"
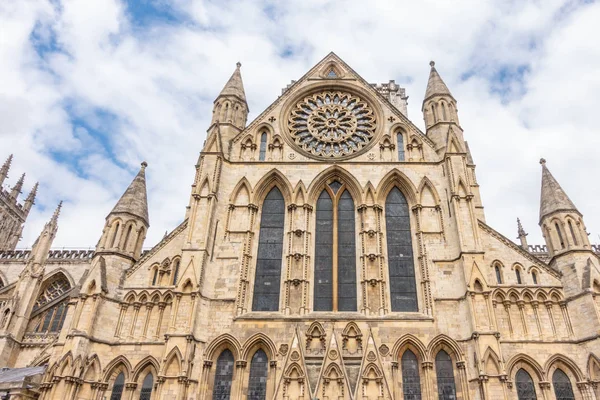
{"x": 90, "y": 89}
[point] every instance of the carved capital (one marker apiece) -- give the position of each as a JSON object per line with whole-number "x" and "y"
{"x": 241, "y": 363}
{"x": 461, "y": 365}
{"x": 207, "y": 364}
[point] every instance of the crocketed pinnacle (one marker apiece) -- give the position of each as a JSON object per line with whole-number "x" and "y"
{"x": 235, "y": 86}
{"x": 553, "y": 197}
{"x": 31, "y": 197}
{"x": 135, "y": 200}
{"x": 435, "y": 85}
{"x": 5, "y": 168}
{"x": 16, "y": 190}
{"x": 520, "y": 230}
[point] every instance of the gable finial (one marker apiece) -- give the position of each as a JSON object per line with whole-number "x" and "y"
{"x": 432, "y": 63}
{"x": 543, "y": 161}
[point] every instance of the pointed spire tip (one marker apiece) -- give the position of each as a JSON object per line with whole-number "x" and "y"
{"x": 238, "y": 64}
{"x": 432, "y": 63}
{"x": 144, "y": 164}
{"x": 542, "y": 161}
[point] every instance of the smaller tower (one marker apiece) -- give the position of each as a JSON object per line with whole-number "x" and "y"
{"x": 230, "y": 109}
{"x": 4, "y": 170}
{"x": 16, "y": 190}
{"x": 522, "y": 235}
{"x": 12, "y": 213}
{"x": 30, "y": 200}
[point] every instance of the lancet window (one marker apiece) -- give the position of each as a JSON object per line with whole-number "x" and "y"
{"x": 560, "y": 236}
{"x": 525, "y": 387}
{"x": 403, "y": 287}
{"x": 335, "y": 250}
{"x": 263, "y": 147}
{"x": 411, "y": 381}
{"x": 498, "y": 274}
{"x": 117, "y": 390}
{"x": 259, "y": 369}
{"x": 518, "y": 274}
{"x": 562, "y": 386}
{"x": 52, "y": 319}
{"x": 270, "y": 251}
{"x": 53, "y": 290}
{"x": 573, "y": 233}
{"x": 445, "y": 376}
{"x": 400, "y": 140}
{"x": 223, "y": 376}
{"x": 146, "y": 391}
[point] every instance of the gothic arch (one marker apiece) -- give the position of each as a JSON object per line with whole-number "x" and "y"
{"x": 446, "y": 343}
{"x": 566, "y": 364}
{"x": 242, "y": 187}
{"x": 148, "y": 361}
{"x": 64, "y": 364}
{"x": 117, "y": 365}
{"x": 461, "y": 188}
{"x": 300, "y": 193}
{"x": 491, "y": 359}
{"x": 369, "y": 193}
{"x": 258, "y": 341}
{"x": 424, "y": 186}
{"x": 173, "y": 359}
{"x": 51, "y": 275}
{"x": 397, "y": 178}
{"x": 526, "y": 362}
{"x": 409, "y": 341}
{"x": 220, "y": 343}
{"x": 593, "y": 367}
{"x": 92, "y": 369}
{"x": 273, "y": 178}
{"x": 263, "y": 127}
{"x": 205, "y": 187}
{"x": 330, "y": 174}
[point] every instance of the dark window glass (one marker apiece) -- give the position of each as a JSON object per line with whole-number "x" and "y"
{"x": 324, "y": 254}
{"x": 560, "y": 237}
{"x": 117, "y": 390}
{"x": 154, "y": 278}
{"x": 146, "y": 392}
{"x": 59, "y": 318}
{"x": 573, "y": 233}
{"x": 47, "y": 319}
{"x": 411, "y": 382}
{"x": 498, "y": 275}
{"x": 525, "y": 388}
{"x": 223, "y": 376}
{"x": 403, "y": 287}
{"x": 259, "y": 369}
{"x": 346, "y": 254}
{"x": 55, "y": 288}
{"x": 400, "y": 140}
{"x": 270, "y": 250}
{"x": 534, "y": 277}
{"x": 445, "y": 376}
{"x": 263, "y": 147}
{"x": 175, "y": 272}
{"x": 53, "y": 319}
{"x": 518, "y": 273}
{"x": 562, "y": 386}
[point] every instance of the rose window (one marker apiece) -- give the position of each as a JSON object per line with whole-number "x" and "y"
{"x": 332, "y": 124}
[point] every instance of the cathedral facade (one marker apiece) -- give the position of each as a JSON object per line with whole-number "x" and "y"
{"x": 329, "y": 250}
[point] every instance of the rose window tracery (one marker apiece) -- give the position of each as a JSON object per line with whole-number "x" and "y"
{"x": 332, "y": 124}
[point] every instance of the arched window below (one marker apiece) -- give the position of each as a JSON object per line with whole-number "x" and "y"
{"x": 146, "y": 392}
{"x": 518, "y": 274}
{"x": 445, "y": 376}
{"x": 114, "y": 237}
{"x": 223, "y": 376}
{"x": 127, "y": 236}
{"x": 411, "y": 381}
{"x": 175, "y": 273}
{"x": 560, "y": 236}
{"x": 263, "y": 147}
{"x": 573, "y": 233}
{"x": 444, "y": 112}
{"x": 434, "y": 113}
{"x": 400, "y": 141}
{"x": 534, "y": 277}
{"x": 259, "y": 369}
{"x": 117, "y": 390}
{"x": 562, "y": 386}
{"x": 525, "y": 387}
{"x": 52, "y": 320}
{"x": 155, "y": 277}
{"x": 498, "y": 274}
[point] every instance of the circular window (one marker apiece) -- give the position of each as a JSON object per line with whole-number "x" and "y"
{"x": 332, "y": 124}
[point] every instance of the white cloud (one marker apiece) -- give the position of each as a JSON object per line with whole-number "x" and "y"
{"x": 144, "y": 92}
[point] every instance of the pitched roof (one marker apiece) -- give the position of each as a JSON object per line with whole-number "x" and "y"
{"x": 135, "y": 200}
{"x": 553, "y": 198}
{"x": 235, "y": 86}
{"x": 435, "y": 84}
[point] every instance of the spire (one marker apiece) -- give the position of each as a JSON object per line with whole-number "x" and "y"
{"x": 553, "y": 197}
{"x": 4, "y": 169}
{"x": 16, "y": 190}
{"x": 135, "y": 201}
{"x": 39, "y": 251}
{"x": 435, "y": 85}
{"x": 235, "y": 86}
{"x": 522, "y": 235}
{"x": 30, "y": 201}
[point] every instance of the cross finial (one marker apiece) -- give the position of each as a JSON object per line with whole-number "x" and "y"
{"x": 238, "y": 64}
{"x": 432, "y": 63}
{"x": 543, "y": 161}
{"x": 144, "y": 164}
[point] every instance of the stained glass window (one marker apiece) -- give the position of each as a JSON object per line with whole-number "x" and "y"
{"x": 400, "y": 253}
{"x": 525, "y": 387}
{"x": 52, "y": 319}
{"x": 270, "y": 250}
{"x": 400, "y": 140}
{"x": 518, "y": 273}
{"x": 562, "y": 386}
{"x": 534, "y": 277}
{"x": 259, "y": 369}
{"x": 117, "y": 390}
{"x": 411, "y": 381}
{"x": 223, "y": 376}
{"x": 445, "y": 376}
{"x": 263, "y": 147}
{"x": 175, "y": 272}
{"x": 53, "y": 290}
{"x": 335, "y": 204}
{"x": 498, "y": 274}
{"x": 146, "y": 392}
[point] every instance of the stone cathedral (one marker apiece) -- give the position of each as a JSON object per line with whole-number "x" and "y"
{"x": 329, "y": 250}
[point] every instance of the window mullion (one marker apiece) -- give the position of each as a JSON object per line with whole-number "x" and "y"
{"x": 334, "y": 263}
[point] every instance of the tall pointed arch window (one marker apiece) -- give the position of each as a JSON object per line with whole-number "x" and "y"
{"x": 525, "y": 387}
{"x": 270, "y": 249}
{"x": 223, "y": 376}
{"x": 335, "y": 250}
{"x": 259, "y": 369}
{"x": 117, "y": 390}
{"x": 263, "y": 147}
{"x": 518, "y": 274}
{"x": 498, "y": 274}
{"x": 403, "y": 288}
{"x": 562, "y": 386}
{"x": 445, "y": 376}
{"x": 146, "y": 391}
{"x": 560, "y": 236}
{"x": 573, "y": 233}
{"x": 400, "y": 142}
{"x": 411, "y": 381}
{"x": 175, "y": 272}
